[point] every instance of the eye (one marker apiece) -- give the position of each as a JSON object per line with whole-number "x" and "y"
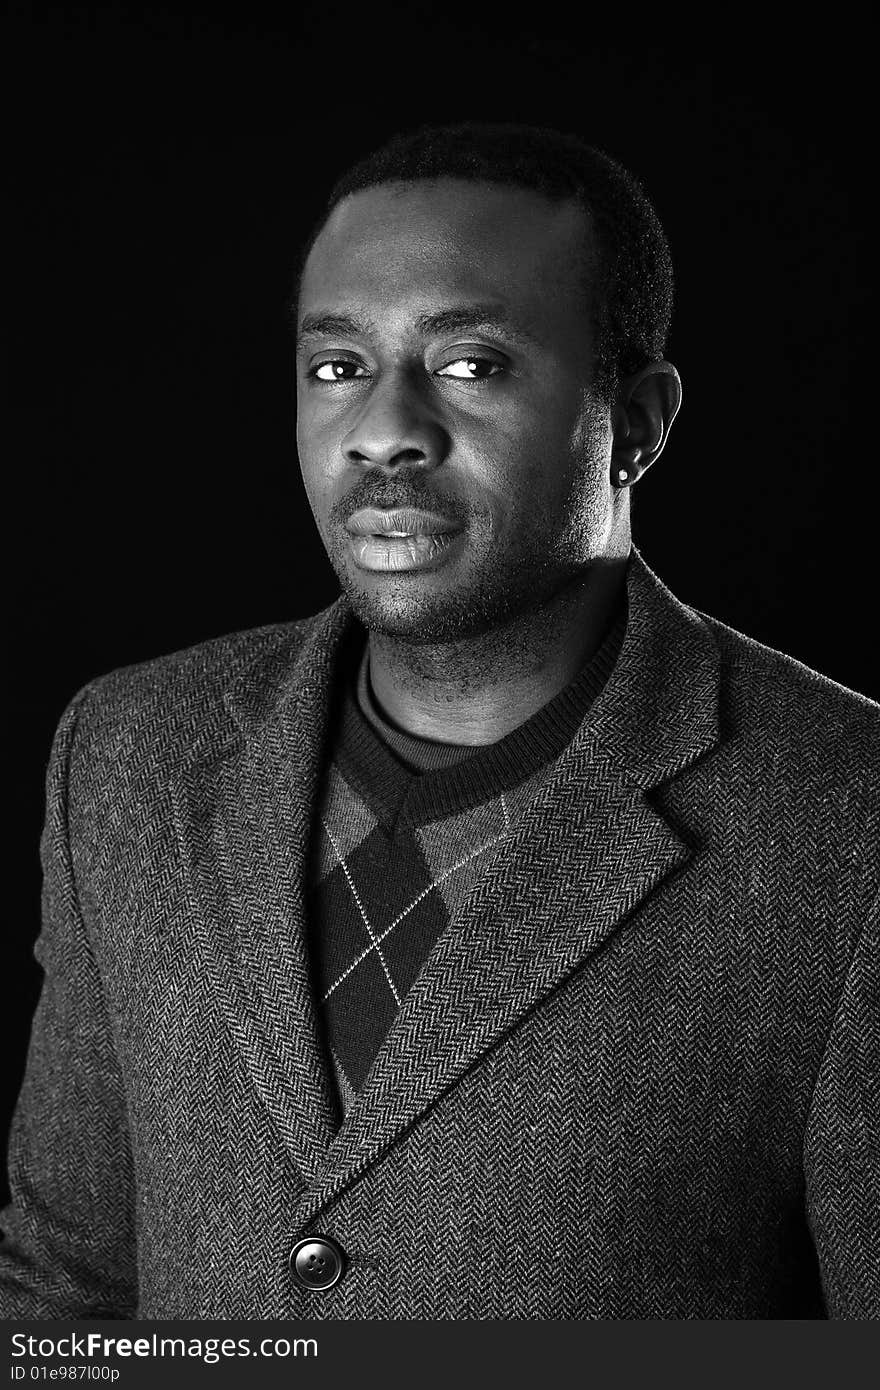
{"x": 337, "y": 369}
{"x": 471, "y": 368}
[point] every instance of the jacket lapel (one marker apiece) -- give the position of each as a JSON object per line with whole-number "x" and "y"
{"x": 588, "y": 851}
{"x": 243, "y": 816}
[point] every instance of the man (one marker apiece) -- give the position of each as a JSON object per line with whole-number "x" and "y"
{"x": 500, "y": 942}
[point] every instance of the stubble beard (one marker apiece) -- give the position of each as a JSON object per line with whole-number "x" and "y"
{"x": 504, "y": 604}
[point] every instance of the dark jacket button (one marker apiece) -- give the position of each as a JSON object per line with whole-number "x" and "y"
{"x": 317, "y": 1262}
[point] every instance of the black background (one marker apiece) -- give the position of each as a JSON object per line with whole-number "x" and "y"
{"x": 166, "y": 167}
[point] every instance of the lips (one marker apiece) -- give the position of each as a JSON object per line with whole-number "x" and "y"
{"x": 402, "y": 539}
{"x": 399, "y": 522}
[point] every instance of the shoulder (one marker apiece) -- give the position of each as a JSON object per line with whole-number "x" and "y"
{"x": 172, "y": 705}
{"x": 788, "y": 699}
{"x": 789, "y": 796}
{"x": 798, "y": 764}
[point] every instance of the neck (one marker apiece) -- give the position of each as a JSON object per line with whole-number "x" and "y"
{"x": 478, "y": 689}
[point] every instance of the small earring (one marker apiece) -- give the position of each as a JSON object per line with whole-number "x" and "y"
{"x": 622, "y": 475}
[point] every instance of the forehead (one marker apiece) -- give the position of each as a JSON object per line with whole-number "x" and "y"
{"x": 448, "y": 239}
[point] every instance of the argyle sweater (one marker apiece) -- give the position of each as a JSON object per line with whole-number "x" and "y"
{"x": 405, "y": 827}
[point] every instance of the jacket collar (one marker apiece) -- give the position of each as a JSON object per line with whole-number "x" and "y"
{"x": 587, "y": 851}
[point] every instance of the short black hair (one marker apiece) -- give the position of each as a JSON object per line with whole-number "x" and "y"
{"x": 631, "y": 304}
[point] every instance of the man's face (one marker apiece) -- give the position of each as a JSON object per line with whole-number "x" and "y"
{"x": 444, "y": 364}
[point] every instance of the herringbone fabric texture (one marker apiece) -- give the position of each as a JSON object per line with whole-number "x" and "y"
{"x": 387, "y": 871}
{"x": 636, "y": 1076}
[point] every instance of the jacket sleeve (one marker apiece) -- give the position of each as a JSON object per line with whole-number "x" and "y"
{"x": 68, "y": 1249}
{"x": 842, "y": 1142}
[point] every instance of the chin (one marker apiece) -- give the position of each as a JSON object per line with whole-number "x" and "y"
{"x": 396, "y": 611}
{"x": 409, "y": 610}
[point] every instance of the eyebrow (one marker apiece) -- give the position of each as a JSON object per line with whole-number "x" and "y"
{"x": 452, "y": 320}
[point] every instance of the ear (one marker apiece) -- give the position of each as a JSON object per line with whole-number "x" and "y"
{"x": 646, "y": 405}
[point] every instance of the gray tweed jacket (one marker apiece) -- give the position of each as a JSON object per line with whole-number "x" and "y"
{"x": 636, "y": 1078}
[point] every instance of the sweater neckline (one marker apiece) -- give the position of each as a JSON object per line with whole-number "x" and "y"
{"x": 369, "y": 750}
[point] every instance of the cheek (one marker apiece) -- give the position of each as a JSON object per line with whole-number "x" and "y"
{"x": 591, "y": 436}
{"x": 590, "y": 446}
{"x": 588, "y": 511}
{"x": 315, "y": 452}
{"x": 318, "y": 488}
{"x": 555, "y": 480}
{"x": 565, "y": 505}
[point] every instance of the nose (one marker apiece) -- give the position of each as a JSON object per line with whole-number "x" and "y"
{"x": 396, "y": 426}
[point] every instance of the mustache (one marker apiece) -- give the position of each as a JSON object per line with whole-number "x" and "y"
{"x": 393, "y": 493}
